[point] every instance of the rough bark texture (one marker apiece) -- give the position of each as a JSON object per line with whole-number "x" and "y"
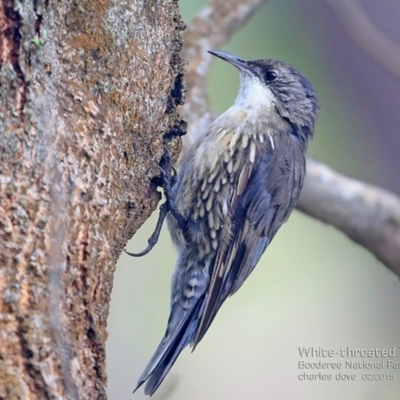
{"x": 88, "y": 90}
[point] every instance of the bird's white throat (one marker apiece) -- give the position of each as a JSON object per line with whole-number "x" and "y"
{"x": 253, "y": 94}
{"x": 253, "y": 101}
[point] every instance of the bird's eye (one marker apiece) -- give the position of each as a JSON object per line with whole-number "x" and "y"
{"x": 270, "y": 75}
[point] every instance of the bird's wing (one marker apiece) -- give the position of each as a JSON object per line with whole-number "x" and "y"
{"x": 261, "y": 200}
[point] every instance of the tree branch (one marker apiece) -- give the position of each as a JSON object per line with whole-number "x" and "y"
{"x": 367, "y": 214}
{"x": 378, "y": 47}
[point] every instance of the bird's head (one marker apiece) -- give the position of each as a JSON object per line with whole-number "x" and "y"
{"x": 274, "y": 84}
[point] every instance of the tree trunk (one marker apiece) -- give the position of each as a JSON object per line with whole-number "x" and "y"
{"x": 88, "y": 91}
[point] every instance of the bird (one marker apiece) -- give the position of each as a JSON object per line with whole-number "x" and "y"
{"x": 237, "y": 185}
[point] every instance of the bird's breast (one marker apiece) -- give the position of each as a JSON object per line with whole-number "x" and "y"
{"x": 210, "y": 177}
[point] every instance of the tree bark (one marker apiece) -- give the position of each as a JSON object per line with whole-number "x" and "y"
{"x": 88, "y": 98}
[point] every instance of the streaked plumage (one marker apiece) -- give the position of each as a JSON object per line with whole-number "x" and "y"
{"x": 236, "y": 186}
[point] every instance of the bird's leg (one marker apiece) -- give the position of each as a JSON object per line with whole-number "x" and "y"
{"x": 167, "y": 182}
{"x": 152, "y": 241}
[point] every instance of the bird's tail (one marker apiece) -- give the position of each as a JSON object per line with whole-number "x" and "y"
{"x": 169, "y": 349}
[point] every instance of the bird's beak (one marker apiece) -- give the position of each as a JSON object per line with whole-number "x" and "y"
{"x": 239, "y": 63}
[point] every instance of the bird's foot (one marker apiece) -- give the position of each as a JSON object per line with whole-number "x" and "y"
{"x": 167, "y": 182}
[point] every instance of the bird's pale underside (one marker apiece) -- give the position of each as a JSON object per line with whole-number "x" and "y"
{"x": 236, "y": 186}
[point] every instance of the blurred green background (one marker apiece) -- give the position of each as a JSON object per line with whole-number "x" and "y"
{"x": 313, "y": 286}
